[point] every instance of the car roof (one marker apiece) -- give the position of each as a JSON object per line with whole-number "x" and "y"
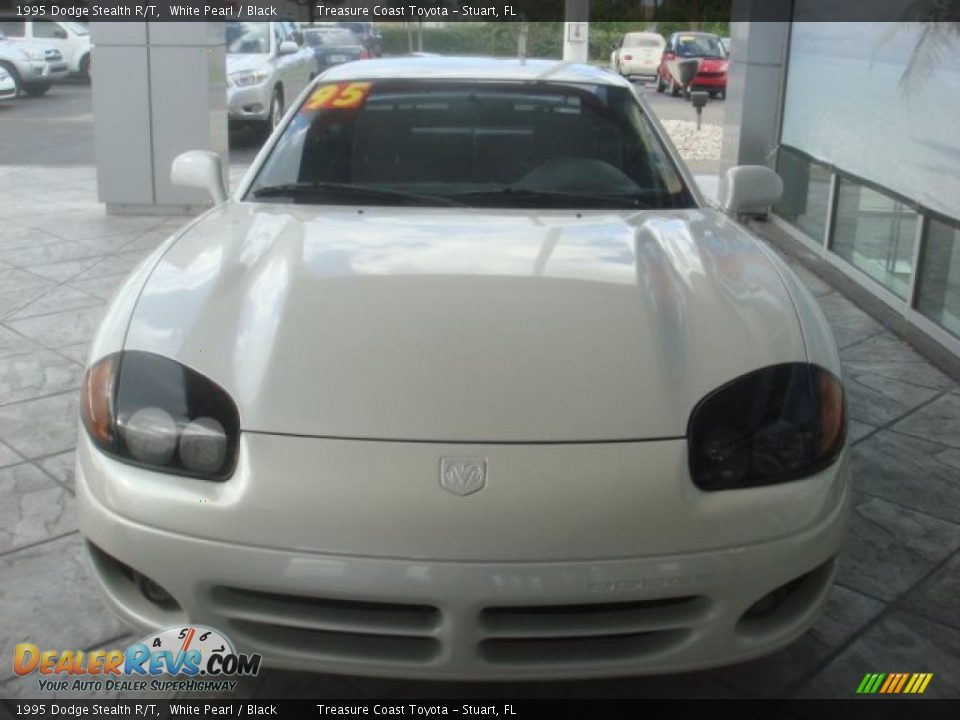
{"x": 472, "y": 68}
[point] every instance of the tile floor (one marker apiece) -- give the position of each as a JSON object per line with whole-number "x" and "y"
{"x": 894, "y": 606}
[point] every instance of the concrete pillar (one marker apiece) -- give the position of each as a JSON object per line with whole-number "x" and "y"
{"x": 755, "y": 83}
{"x": 159, "y": 89}
{"x": 576, "y": 30}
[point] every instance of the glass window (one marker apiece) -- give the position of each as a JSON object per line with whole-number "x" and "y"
{"x": 875, "y": 234}
{"x": 48, "y": 30}
{"x": 245, "y": 38}
{"x": 12, "y": 28}
{"x": 938, "y": 294}
{"x": 806, "y": 193}
{"x": 478, "y": 143}
{"x": 316, "y": 38}
{"x": 642, "y": 41}
{"x": 707, "y": 46}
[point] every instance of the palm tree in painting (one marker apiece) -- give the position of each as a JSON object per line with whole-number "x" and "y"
{"x": 938, "y": 37}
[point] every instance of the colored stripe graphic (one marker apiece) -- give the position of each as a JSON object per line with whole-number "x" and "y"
{"x": 903, "y": 679}
{"x": 894, "y": 683}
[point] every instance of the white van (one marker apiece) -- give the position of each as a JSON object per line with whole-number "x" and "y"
{"x": 72, "y": 39}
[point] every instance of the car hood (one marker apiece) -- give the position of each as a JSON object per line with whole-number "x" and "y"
{"x": 31, "y": 45}
{"x": 246, "y": 61}
{"x": 11, "y": 49}
{"x": 454, "y": 325}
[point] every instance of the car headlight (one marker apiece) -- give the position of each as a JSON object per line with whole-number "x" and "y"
{"x": 770, "y": 426}
{"x": 246, "y": 78}
{"x": 150, "y": 411}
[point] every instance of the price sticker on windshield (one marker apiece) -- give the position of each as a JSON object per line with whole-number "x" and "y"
{"x": 338, "y": 96}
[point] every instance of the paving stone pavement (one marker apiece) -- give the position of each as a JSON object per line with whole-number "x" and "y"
{"x": 894, "y": 606}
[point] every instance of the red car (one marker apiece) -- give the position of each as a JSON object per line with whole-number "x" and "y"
{"x": 712, "y": 73}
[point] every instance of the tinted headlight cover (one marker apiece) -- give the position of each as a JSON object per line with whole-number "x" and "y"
{"x": 773, "y": 425}
{"x": 153, "y": 412}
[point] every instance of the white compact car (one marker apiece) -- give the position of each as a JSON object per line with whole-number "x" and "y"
{"x": 638, "y": 53}
{"x": 467, "y": 380}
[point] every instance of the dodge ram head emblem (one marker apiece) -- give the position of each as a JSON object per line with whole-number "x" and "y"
{"x": 463, "y": 475}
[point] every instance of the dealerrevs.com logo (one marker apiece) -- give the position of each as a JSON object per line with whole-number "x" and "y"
{"x": 202, "y": 655}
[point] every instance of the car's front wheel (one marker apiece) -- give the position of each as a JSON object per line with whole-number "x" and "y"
{"x": 12, "y": 71}
{"x": 276, "y": 110}
{"x": 85, "y": 67}
{"x": 36, "y": 89}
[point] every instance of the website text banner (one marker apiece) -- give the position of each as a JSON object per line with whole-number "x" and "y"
{"x": 509, "y": 709}
{"x": 639, "y": 11}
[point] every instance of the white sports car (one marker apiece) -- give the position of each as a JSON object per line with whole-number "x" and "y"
{"x": 467, "y": 380}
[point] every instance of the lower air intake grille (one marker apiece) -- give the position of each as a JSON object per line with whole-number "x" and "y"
{"x": 327, "y": 627}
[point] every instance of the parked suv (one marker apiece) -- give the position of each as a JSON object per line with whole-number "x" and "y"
{"x": 33, "y": 67}
{"x": 369, "y": 35}
{"x": 71, "y": 38}
{"x": 267, "y": 67}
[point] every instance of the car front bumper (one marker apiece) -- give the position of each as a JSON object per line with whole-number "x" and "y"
{"x": 43, "y": 71}
{"x": 406, "y": 612}
{"x": 709, "y": 82}
{"x": 250, "y": 103}
{"x": 636, "y": 67}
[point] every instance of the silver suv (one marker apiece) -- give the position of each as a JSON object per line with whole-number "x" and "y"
{"x": 33, "y": 67}
{"x": 267, "y": 67}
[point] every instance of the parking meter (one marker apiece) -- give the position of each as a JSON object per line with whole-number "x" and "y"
{"x": 699, "y": 100}
{"x": 687, "y": 71}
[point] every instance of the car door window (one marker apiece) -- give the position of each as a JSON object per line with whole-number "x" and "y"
{"x": 48, "y": 30}
{"x": 12, "y": 28}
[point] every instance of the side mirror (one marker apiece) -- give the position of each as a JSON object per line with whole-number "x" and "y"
{"x": 199, "y": 169}
{"x": 60, "y": 34}
{"x": 750, "y": 187}
{"x": 297, "y": 37}
{"x": 287, "y": 47}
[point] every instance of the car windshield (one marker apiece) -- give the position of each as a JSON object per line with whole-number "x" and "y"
{"x": 700, "y": 46}
{"x": 490, "y": 144}
{"x": 246, "y": 38}
{"x": 331, "y": 37}
{"x": 642, "y": 41}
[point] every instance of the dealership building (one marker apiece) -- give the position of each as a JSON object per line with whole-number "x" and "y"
{"x": 862, "y": 122}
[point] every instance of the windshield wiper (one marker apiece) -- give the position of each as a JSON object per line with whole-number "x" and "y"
{"x": 348, "y": 190}
{"x": 569, "y": 198}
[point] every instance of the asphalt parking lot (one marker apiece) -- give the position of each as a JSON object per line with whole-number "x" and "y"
{"x": 57, "y": 128}
{"x": 894, "y": 606}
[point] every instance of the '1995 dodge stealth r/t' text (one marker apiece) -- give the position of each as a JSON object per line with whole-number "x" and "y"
{"x": 467, "y": 380}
